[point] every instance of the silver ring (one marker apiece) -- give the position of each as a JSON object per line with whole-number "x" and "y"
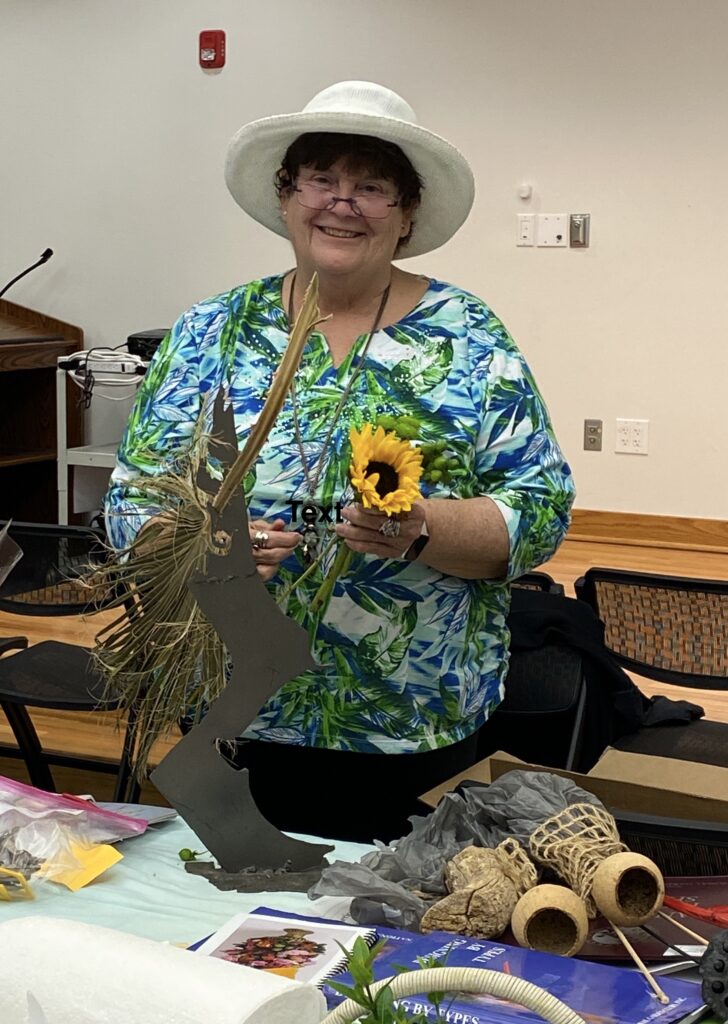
{"x": 390, "y": 527}
{"x": 260, "y": 539}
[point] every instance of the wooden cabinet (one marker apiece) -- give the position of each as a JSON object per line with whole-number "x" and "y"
{"x": 30, "y": 344}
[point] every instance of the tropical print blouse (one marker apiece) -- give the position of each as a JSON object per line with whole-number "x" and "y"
{"x": 408, "y": 659}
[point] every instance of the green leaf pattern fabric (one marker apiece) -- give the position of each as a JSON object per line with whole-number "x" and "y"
{"x": 408, "y": 659}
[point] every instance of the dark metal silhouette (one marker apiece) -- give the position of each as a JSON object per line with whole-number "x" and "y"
{"x": 267, "y": 649}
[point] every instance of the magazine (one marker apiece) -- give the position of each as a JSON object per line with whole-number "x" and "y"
{"x": 601, "y": 994}
{"x": 661, "y": 940}
{"x": 295, "y": 947}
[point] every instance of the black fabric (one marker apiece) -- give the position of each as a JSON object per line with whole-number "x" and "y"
{"x": 615, "y": 706}
{"x": 341, "y": 794}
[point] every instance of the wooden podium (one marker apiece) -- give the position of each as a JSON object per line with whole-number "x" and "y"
{"x": 30, "y": 344}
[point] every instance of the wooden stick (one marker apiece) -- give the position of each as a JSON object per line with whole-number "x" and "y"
{"x": 688, "y": 931}
{"x": 633, "y": 953}
{"x": 308, "y": 317}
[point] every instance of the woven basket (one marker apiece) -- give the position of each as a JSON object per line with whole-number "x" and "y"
{"x": 465, "y": 979}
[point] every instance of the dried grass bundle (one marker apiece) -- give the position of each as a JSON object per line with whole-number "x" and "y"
{"x": 161, "y": 657}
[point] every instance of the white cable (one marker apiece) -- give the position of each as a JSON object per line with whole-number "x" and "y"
{"x": 80, "y": 382}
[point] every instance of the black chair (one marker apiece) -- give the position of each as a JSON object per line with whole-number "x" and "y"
{"x": 672, "y": 629}
{"x": 541, "y": 716}
{"x": 538, "y": 581}
{"x": 55, "y": 578}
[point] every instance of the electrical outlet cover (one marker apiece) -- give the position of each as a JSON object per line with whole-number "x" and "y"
{"x": 553, "y": 230}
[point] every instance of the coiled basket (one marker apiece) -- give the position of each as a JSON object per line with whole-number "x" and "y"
{"x": 475, "y": 980}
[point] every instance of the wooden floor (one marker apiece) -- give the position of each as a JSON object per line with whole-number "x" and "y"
{"x": 98, "y": 735}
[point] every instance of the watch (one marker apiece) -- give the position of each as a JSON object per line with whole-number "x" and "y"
{"x": 418, "y": 544}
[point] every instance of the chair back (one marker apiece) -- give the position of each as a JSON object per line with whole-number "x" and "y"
{"x": 670, "y": 628}
{"x": 538, "y": 581}
{"x": 55, "y": 575}
{"x": 541, "y": 717}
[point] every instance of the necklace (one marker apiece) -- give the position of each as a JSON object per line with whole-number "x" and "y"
{"x": 310, "y": 509}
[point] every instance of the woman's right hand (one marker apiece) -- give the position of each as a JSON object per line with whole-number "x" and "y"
{"x": 272, "y": 544}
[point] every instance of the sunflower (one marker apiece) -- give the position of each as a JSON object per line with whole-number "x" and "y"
{"x": 384, "y": 470}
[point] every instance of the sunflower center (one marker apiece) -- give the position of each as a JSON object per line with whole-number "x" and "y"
{"x": 388, "y": 477}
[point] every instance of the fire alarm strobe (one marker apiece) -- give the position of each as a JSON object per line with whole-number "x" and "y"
{"x": 212, "y": 48}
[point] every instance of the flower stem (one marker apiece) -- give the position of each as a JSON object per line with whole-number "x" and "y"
{"x": 308, "y": 572}
{"x": 341, "y": 564}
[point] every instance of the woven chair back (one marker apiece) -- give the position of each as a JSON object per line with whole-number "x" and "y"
{"x": 669, "y": 628}
{"x": 56, "y": 574}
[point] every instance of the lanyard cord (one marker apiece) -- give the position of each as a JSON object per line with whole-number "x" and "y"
{"x": 312, "y": 479}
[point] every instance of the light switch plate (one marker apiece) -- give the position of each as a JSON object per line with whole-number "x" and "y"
{"x": 526, "y": 229}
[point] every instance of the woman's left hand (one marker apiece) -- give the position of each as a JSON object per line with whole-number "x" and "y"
{"x": 361, "y": 530}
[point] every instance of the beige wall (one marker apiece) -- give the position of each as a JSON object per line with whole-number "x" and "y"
{"x": 113, "y": 142}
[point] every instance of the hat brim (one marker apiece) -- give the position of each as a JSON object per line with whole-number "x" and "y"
{"x": 256, "y": 152}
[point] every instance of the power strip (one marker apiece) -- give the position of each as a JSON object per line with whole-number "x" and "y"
{"x": 84, "y": 364}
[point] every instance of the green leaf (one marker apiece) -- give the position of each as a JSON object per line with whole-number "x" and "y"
{"x": 346, "y": 990}
{"x": 385, "y": 649}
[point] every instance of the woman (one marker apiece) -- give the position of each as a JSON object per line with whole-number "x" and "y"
{"x": 412, "y": 646}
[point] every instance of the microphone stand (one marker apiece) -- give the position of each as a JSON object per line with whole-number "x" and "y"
{"x": 45, "y": 256}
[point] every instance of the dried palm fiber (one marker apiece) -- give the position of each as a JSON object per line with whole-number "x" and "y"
{"x": 582, "y": 845}
{"x": 162, "y": 658}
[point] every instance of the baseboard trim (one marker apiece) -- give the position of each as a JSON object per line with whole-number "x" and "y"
{"x": 649, "y": 530}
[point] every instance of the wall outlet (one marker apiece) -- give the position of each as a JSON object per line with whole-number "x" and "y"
{"x": 632, "y": 437}
{"x": 553, "y": 230}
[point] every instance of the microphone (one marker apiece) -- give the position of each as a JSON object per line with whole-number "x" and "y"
{"x": 44, "y": 257}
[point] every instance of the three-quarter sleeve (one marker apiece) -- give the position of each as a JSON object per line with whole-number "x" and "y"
{"x": 159, "y": 428}
{"x": 518, "y": 461}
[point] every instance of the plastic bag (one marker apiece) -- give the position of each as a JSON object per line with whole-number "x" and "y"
{"x": 45, "y": 836}
{"x": 20, "y": 804}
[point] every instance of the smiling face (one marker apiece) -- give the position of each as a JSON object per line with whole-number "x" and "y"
{"x": 339, "y": 240}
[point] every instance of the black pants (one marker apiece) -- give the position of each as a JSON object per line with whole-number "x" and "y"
{"x": 338, "y": 794}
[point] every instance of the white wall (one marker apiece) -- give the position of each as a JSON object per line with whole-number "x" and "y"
{"x": 113, "y": 141}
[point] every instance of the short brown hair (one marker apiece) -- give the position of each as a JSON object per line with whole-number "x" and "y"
{"x": 377, "y": 157}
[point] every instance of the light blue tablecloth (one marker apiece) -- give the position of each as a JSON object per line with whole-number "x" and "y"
{"x": 149, "y": 893}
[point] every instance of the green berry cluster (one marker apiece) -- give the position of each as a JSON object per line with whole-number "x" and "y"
{"x": 405, "y": 427}
{"x": 437, "y": 467}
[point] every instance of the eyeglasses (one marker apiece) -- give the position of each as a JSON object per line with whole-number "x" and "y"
{"x": 364, "y": 203}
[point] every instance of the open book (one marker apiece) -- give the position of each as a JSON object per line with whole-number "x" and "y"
{"x": 304, "y": 949}
{"x": 600, "y": 994}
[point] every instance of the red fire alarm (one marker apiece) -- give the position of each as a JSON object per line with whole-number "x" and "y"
{"x": 212, "y": 48}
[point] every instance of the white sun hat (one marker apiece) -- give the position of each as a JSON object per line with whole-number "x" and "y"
{"x": 256, "y": 152}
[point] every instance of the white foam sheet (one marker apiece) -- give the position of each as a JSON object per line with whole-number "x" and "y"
{"x": 84, "y": 974}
